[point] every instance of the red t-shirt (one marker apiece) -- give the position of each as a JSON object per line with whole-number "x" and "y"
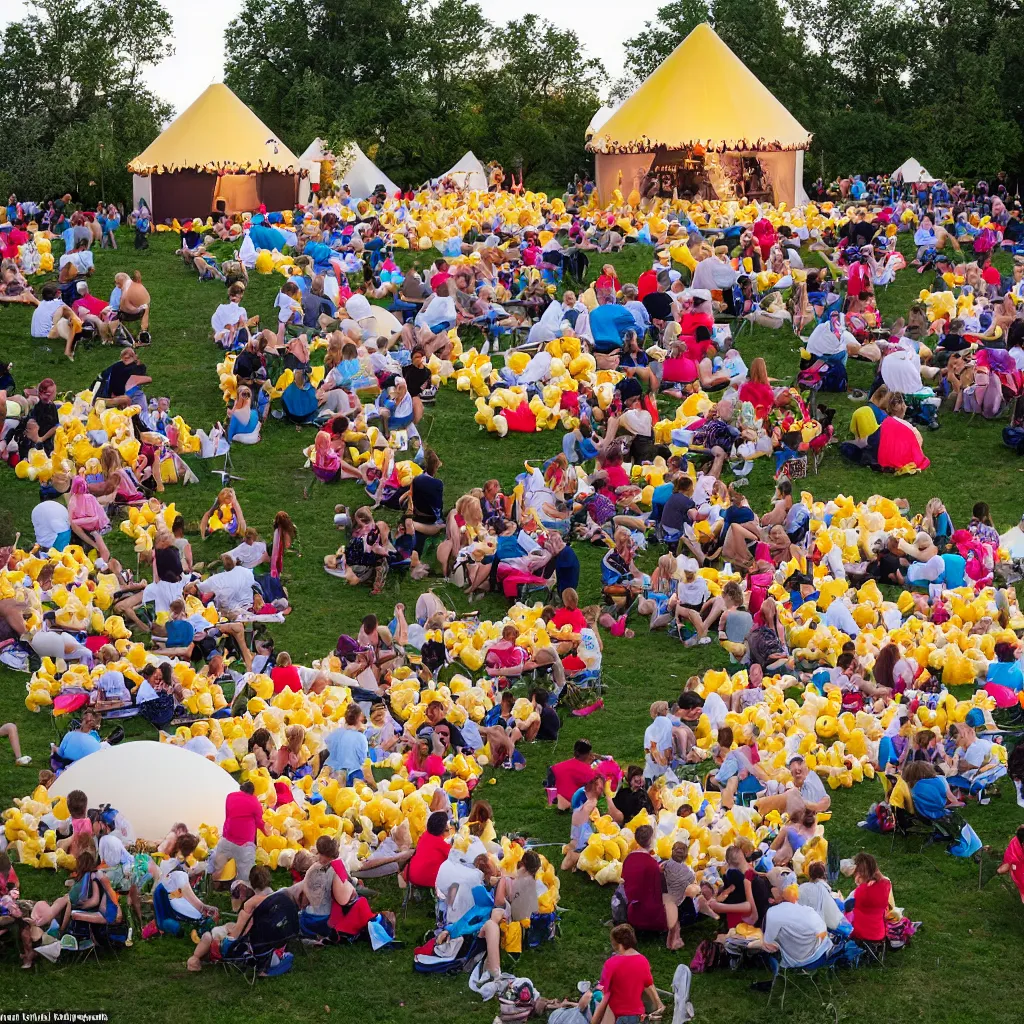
{"x": 616, "y": 476}
{"x": 569, "y": 776}
{"x": 642, "y": 880}
{"x": 607, "y": 281}
{"x": 285, "y": 677}
{"x": 431, "y": 852}
{"x": 565, "y": 617}
{"x": 689, "y": 322}
{"x": 870, "y": 903}
{"x": 439, "y": 278}
{"x": 623, "y": 980}
{"x": 646, "y": 283}
{"x": 90, "y": 303}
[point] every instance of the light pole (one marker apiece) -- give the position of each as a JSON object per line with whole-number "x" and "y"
{"x": 103, "y": 191}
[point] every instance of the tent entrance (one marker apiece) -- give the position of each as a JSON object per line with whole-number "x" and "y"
{"x": 237, "y": 192}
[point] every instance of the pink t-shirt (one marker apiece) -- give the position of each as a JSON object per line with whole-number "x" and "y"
{"x": 81, "y": 825}
{"x": 243, "y": 815}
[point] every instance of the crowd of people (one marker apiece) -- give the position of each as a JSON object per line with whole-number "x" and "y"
{"x": 873, "y": 608}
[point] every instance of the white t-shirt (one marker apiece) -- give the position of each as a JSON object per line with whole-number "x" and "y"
{"x": 112, "y": 852}
{"x": 178, "y": 879}
{"x": 231, "y": 589}
{"x": 42, "y": 317}
{"x": 249, "y": 555}
{"x": 638, "y": 421}
{"x": 111, "y": 684}
{"x": 226, "y": 315}
{"x": 454, "y": 872}
{"x": 977, "y": 753}
{"x": 659, "y": 733}
{"x": 693, "y": 594}
{"x": 49, "y": 518}
{"x": 813, "y": 790}
{"x": 798, "y": 931}
{"x": 145, "y": 692}
{"x": 83, "y": 261}
{"x": 922, "y": 572}
{"x": 162, "y": 593}
{"x": 817, "y": 896}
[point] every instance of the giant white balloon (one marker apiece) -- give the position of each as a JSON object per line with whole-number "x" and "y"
{"x": 153, "y": 785}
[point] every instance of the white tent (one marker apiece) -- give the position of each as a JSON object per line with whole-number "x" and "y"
{"x": 912, "y": 172}
{"x": 597, "y": 122}
{"x": 354, "y": 168}
{"x": 135, "y": 778}
{"x": 360, "y": 173}
{"x": 468, "y": 174}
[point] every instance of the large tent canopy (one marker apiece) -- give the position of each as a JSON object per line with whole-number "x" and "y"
{"x": 216, "y": 152}
{"x": 702, "y": 95}
{"x": 468, "y": 173}
{"x": 218, "y": 132}
{"x": 911, "y": 171}
{"x": 600, "y": 118}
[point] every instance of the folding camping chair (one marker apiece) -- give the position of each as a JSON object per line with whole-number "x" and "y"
{"x": 273, "y": 926}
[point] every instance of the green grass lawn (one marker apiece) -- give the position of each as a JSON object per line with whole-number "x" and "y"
{"x": 957, "y": 969}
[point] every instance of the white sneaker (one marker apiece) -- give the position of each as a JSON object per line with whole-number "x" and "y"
{"x": 23, "y": 760}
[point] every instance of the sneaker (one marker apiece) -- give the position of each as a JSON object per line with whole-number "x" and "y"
{"x": 23, "y": 760}
{"x": 704, "y": 640}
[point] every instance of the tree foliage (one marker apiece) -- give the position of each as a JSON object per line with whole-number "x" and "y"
{"x": 70, "y": 81}
{"x": 417, "y": 84}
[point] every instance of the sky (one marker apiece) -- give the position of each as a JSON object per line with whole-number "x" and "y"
{"x": 199, "y": 36}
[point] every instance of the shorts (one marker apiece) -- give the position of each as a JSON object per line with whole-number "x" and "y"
{"x": 243, "y": 856}
{"x": 363, "y": 573}
{"x": 62, "y": 540}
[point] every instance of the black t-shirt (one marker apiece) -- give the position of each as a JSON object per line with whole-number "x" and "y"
{"x": 631, "y": 802}
{"x": 862, "y": 232}
{"x": 675, "y": 514}
{"x": 247, "y": 365}
{"x": 658, "y": 305}
{"x": 417, "y": 377}
{"x": 761, "y": 890}
{"x": 427, "y": 499}
{"x": 45, "y": 415}
{"x": 119, "y": 374}
{"x": 550, "y": 723}
{"x": 885, "y": 567}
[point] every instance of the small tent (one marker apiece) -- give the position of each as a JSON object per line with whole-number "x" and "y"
{"x": 468, "y": 174}
{"x": 598, "y": 121}
{"x": 354, "y": 168}
{"x": 677, "y": 127}
{"x": 217, "y": 152}
{"x": 911, "y": 172}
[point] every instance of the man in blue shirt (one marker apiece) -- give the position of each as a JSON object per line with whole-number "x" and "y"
{"x": 81, "y": 742}
{"x": 347, "y": 747}
{"x": 609, "y": 323}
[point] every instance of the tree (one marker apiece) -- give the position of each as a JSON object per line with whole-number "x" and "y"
{"x": 70, "y": 82}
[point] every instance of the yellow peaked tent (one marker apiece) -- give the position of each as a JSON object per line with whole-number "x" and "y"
{"x": 701, "y": 94}
{"x": 216, "y": 152}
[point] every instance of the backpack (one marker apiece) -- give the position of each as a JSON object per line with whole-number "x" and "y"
{"x": 1013, "y": 438}
{"x": 620, "y": 905}
{"x": 708, "y": 955}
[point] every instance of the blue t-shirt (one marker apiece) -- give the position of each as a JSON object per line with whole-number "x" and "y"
{"x": 955, "y": 570}
{"x": 180, "y": 633}
{"x": 929, "y": 796}
{"x": 1006, "y": 673}
{"x": 77, "y": 745}
{"x": 567, "y": 569}
{"x": 608, "y": 325}
{"x": 346, "y": 750}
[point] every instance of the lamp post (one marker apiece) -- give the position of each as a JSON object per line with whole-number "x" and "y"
{"x": 103, "y": 191}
